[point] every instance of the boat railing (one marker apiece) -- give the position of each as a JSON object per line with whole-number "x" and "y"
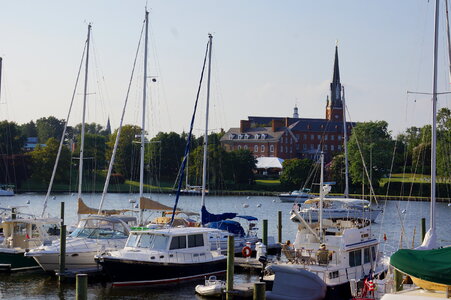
{"x": 307, "y": 256}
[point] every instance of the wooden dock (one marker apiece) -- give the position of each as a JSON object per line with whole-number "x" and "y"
{"x": 251, "y": 264}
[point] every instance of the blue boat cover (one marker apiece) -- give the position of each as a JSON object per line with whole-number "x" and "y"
{"x": 208, "y": 217}
{"x": 249, "y": 218}
{"x": 229, "y": 225}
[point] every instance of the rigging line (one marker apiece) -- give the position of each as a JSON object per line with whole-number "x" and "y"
{"x": 64, "y": 132}
{"x": 187, "y": 147}
{"x": 116, "y": 142}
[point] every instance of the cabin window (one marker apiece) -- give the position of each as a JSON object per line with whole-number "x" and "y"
{"x": 366, "y": 255}
{"x": 196, "y": 240}
{"x": 373, "y": 252}
{"x": 355, "y": 258}
{"x": 334, "y": 274}
{"x": 131, "y": 242}
{"x": 150, "y": 241}
{"x": 178, "y": 242}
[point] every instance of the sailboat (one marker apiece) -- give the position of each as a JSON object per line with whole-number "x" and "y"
{"x": 158, "y": 256}
{"x": 337, "y": 251}
{"x": 428, "y": 266}
{"x": 101, "y": 230}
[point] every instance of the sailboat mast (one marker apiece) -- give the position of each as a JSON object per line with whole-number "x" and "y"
{"x": 321, "y": 197}
{"x": 448, "y": 40}
{"x": 143, "y": 124}
{"x": 345, "y": 145}
{"x": 434, "y": 118}
{"x": 85, "y": 94}
{"x": 204, "y": 171}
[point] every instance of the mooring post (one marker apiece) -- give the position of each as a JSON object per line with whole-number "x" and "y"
{"x": 81, "y": 286}
{"x": 279, "y": 227}
{"x": 423, "y": 228}
{"x": 230, "y": 266}
{"x": 62, "y": 258}
{"x": 259, "y": 291}
{"x": 397, "y": 275}
{"x": 265, "y": 233}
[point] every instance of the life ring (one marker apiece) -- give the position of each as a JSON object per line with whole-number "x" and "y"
{"x": 246, "y": 251}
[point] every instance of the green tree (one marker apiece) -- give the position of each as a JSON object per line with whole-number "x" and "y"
{"x": 95, "y": 149}
{"x": 43, "y": 161}
{"x": 240, "y": 165}
{"x": 372, "y": 141}
{"x": 295, "y": 172}
{"x": 11, "y": 138}
{"x": 49, "y": 127}
{"x": 127, "y": 156}
{"x": 29, "y": 129}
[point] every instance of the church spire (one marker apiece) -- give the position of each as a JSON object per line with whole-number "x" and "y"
{"x": 335, "y": 105}
{"x": 336, "y": 76}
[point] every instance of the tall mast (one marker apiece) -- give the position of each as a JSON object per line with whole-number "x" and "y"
{"x": 448, "y": 40}
{"x": 143, "y": 124}
{"x": 204, "y": 171}
{"x": 1, "y": 65}
{"x": 321, "y": 198}
{"x": 434, "y": 119}
{"x": 345, "y": 145}
{"x": 85, "y": 94}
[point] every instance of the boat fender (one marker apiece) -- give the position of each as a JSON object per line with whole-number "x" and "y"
{"x": 246, "y": 251}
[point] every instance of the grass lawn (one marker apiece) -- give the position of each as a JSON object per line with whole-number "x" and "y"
{"x": 420, "y": 178}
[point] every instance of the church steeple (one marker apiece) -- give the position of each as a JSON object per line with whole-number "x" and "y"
{"x": 335, "y": 105}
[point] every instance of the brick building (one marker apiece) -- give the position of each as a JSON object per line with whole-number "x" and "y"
{"x": 295, "y": 137}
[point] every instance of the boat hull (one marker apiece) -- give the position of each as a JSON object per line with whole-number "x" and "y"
{"x": 16, "y": 261}
{"x": 341, "y": 214}
{"x": 125, "y": 272}
{"x": 429, "y": 285}
{"x": 49, "y": 262}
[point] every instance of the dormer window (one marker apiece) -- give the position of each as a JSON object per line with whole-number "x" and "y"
{"x": 231, "y": 136}
{"x": 246, "y": 136}
{"x": 257, "y": 136}
{"x": 264, "y": 136}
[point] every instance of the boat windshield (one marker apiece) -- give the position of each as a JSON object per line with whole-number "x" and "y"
{"x": 149, "y": 241}
{"x": 100, "y": 229}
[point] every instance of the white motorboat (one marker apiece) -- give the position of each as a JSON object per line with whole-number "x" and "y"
{"x": 6, "y": 190}
{"x": 94, "y": 235}
{"x": 211, "y": 288}
{"x": 337, "y": 209}
{"x": 163, "y": 256}
{"x": 298, "y": 196}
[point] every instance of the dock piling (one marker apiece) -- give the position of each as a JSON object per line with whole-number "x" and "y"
{"x": 423, "y": 228}
{"x": 259, "y": 291}
{"x": 265, "y": 233}
{"x": 81, "y": 286}
{"x": 279, "y": 227}
{"x": 230, "y": 266}
{"x": 62, "y": 258}
{"x": 397, "y": 276}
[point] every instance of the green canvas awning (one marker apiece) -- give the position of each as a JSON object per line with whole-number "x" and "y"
{"x": 431, "y": 265}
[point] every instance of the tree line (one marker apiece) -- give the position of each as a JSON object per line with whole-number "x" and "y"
{"x": 163, "y": 155}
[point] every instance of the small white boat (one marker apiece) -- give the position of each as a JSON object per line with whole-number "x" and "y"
{"x": 212, "y": 287}
{"x": 298, "y": 196}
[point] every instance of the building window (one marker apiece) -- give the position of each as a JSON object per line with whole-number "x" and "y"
{"x": 286, "y": 149}
{"x": 319, "y": 137}
{"x": 305, "y": 137}
{"x": 339, "y": 147}
{"x": 291, "y": 149}
{"x": 271, "y": 148}
{"x": 339, "y": 137}
{"x": 263, "y": 148}
{"x": 326, "y": 137}
{"x": 325, "y": 147}
{"x": 312, "y": 147}
{"x": 245, "y": 147}
{"x": 255, "y": 148}
{"x": 281, "y": 149}
{"x": 332, "y": 147}
{"x": 304, "y": 146}
{"x": 239, "y": 147}
{"x": 291, "y": 140}
{"x": 297, "y": 146}
{"x": 332, "y": 137}
{"x": 298, "y": 136}
{"x": 312, "y": 137}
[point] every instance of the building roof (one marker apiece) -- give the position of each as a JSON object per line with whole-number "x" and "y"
{"x": 258, "y": 134}
{"x": 269, "y": 163}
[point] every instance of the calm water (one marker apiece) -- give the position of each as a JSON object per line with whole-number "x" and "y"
{"x": 36, "y": 285}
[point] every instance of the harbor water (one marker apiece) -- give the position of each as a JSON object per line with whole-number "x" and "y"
{"x": 398, "y": 217}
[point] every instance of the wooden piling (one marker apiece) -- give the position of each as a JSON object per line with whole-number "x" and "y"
{"x": 423, "y": 228}
{"x": 230, "y": 266}
{"x": 81, "y": 286}
{"x": 259, "y": 291}
{"x": 279, "y": 227}
{"x": 265, "y": 232}
{"x": 62, "y": 258}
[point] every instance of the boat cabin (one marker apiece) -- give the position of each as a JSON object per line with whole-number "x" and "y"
{"x": 28, "y": 233}
{"x": 102, "y": 227}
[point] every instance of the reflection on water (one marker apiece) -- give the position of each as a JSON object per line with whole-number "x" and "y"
{"x": 38, "y": 285}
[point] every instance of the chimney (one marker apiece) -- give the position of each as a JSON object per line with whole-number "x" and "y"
{"x": 287, "y": 122}
{"x": 244, "y": 125}
{"x": 277, "y": 124}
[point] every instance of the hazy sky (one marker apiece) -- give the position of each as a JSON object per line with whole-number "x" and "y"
{"x": 267, "y": 57}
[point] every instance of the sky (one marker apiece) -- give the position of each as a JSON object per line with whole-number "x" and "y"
{"x": 267, "y": 57}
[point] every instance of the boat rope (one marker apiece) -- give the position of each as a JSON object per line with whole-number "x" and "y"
{"x": 64, "y": 133}
{"x": 116, "y": 142}
{"x": 188, "y": 141}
